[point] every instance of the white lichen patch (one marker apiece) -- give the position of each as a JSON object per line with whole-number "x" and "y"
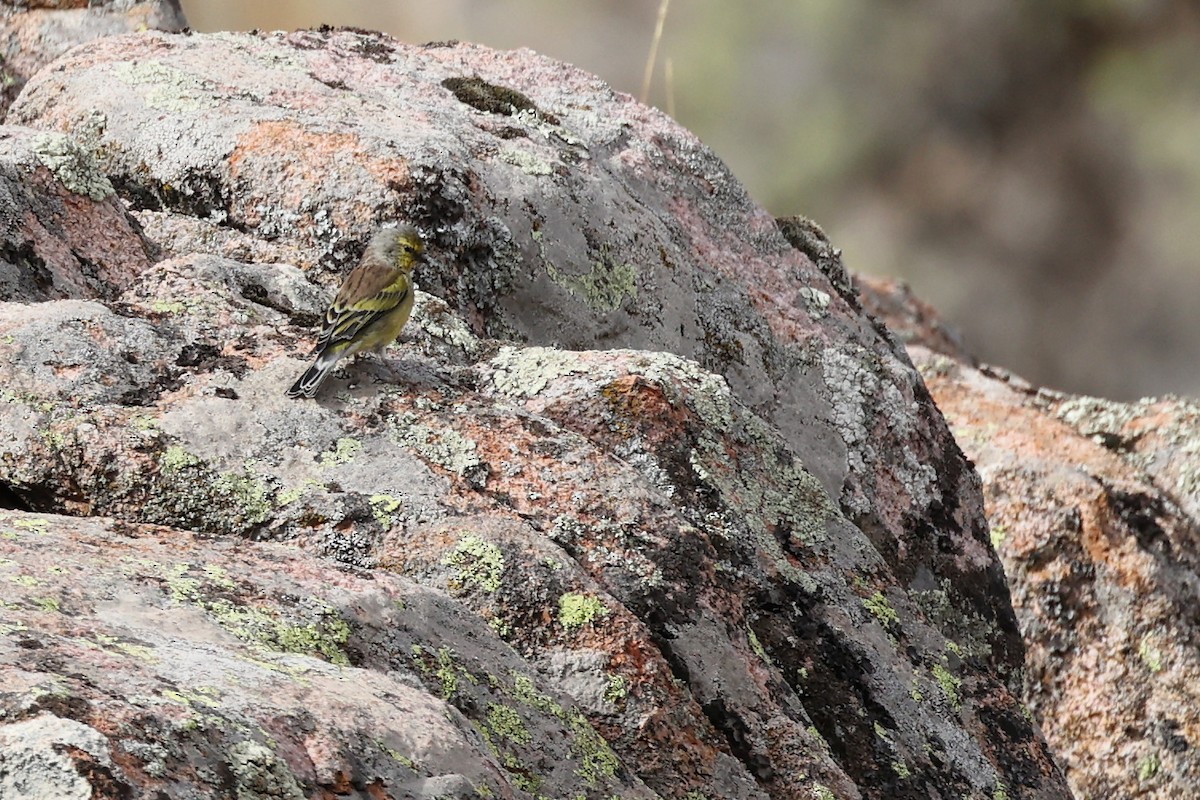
{"x": 36, "y": 764}
{"x": 74, "y": 167}
{"x": 525, "y": 372}
{"x": 166, "y": 88}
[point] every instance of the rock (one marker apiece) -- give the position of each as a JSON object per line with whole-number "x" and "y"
{"x": 34, "y": 33}
{"x": 1094, "y": 509}
{"x": 724, "y": 546}
{"x": 64, "y": 233}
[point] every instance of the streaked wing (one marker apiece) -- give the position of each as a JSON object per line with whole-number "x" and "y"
{"x": 379, "y": 290}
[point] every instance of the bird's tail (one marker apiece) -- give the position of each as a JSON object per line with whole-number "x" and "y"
{"x": 311, "y": 380}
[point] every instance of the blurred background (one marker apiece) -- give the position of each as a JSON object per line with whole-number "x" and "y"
{"x": 1032, "y": 168}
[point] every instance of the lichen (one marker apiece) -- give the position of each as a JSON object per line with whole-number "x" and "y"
{"x": 166, "y": 88}
{"x": 384, "y": 508}
{"x": 950, "y": 684}
{"x": 324, "y": 633}
{"x": 343, "y": 452}
{"x": 445, "y": 447}
{"x": 1150, "y": 654}
{"x": 576, "y": 610}
{"x": 604, "y": 287}
{"x": 74, "y": 168}
{"x": 526, "y": 371}
{"x": 259, "y": 773}
{"x": 478, "y": 565}
{"x": 881, "y": 609}
{"x": 440, "y": 666}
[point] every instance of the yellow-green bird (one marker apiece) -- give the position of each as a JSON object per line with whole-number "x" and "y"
{"x": 370, "y": 308}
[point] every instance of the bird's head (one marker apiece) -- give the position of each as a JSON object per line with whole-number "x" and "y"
{"x": 400, "y": 247}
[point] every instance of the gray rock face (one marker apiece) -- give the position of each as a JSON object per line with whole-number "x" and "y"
{"x": 729, "y": 549}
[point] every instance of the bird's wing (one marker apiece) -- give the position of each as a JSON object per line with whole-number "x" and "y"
{"x": 368, "y": 294}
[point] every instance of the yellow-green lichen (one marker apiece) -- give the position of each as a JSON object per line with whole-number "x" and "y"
{"x": 439, "y": 665}
{"x": 1148, "y": 767}
{"x": 168, "y": 307}
{"x": 384, "y": 508}
{"x": 757, "y": 647}
{"x": 599, "y": 762}
{"x": 175, "y": 458}
{"x": 49, "y": 604}
{"x": 113, "y": 644}
{"x": 881, "y": 609}
{"x": 324, "y": 634}
{"x": 616, "y": 690}
{"x": 477, "y": 564}
{"x": 32, "y": 524}
{"x": 997, "y": 534}
{"x": 506, "y": 724}
{"x": 293, "y": 493}
{"x": 344, "y": 451}
{"x": 901, "y": 769}
{"x": 950, "y": 684}
{"x": 576, "y": 610}
{"x": 1150, "y": 654}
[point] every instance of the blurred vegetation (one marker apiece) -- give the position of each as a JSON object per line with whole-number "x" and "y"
{"x": 1030, "y": 167}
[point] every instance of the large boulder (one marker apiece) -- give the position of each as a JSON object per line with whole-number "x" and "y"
{"x": 711, "y": 533}
{"x": 1095, "y": 511}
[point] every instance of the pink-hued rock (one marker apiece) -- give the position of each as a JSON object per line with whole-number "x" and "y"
{"x": 65, "y": 232}
{"x": 713, "y": 535}
{"x": 1094, "y": 509}
{"x": 32, "y": 34}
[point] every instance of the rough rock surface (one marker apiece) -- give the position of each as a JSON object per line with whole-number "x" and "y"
{"x": 35, "y": 32}
{"x": 724, "y": 548}
{"x": 1095, "y": 511}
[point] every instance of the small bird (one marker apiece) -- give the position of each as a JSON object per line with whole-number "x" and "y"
{"x": 370, "y": 308}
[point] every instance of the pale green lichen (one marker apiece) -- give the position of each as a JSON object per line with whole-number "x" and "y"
{"x": 881, "y": 609}
{"x": 343, "y": 452}
{"x": 477, "y": 564}
{"x": 525, "y": 161}
{"x": 74, "y": 168}
{"x": 901, "y": 769}
{"x": 815, "y": 301}
{"x": 32, "y": 524}
{"x": 576, "y": 610}
{"x": 604, "y": 287}
{"x": 259, "y": 773}
{"x": 1150, "y": 654}
{"x": 166, "y": 88}
{"x": 445, "y": 447}
{"x": 524, "y": 372}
